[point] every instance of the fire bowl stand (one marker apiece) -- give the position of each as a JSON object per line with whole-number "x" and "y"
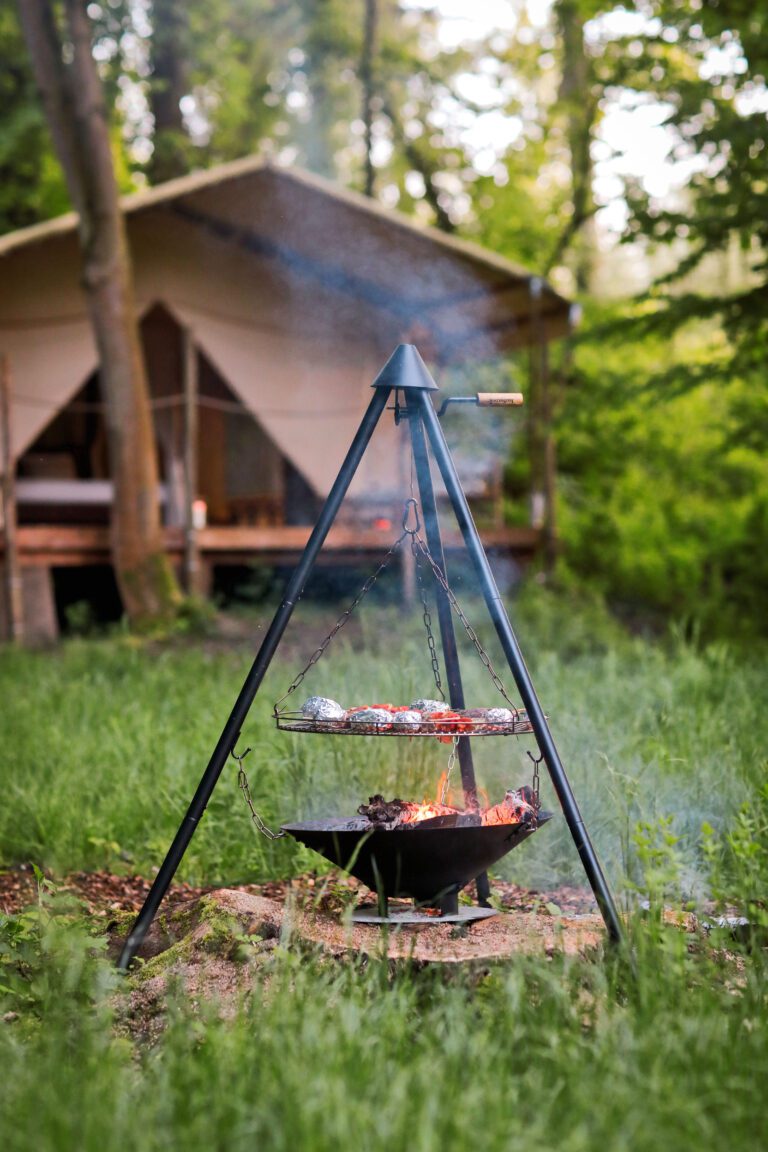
{"x": 395, "y": 915}
{"x": 407, "y": 378}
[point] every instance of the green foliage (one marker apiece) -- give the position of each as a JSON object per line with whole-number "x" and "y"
{"x": 45, "y": 950}
{"x": 663, "y": 427}
{"x": 663, "y": 501}
{"x": 287, "y": 79}
{"x": 709, "y": 66}
{"x": 245, "y": 76}
{"x": 658, "y": 860}
{"x": 232, "y": 56}
{"x": 31, "y": 184}
{"x": 738, "y": 859}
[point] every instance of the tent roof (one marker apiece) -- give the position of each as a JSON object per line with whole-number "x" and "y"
{"x": 469, "y": 302}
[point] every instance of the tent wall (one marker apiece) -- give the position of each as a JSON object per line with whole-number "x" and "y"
{"x": 301, "y": 357}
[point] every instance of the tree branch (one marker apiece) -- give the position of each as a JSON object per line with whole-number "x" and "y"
{"x": 421, "y": 165}
{"x": 577, "y": 220}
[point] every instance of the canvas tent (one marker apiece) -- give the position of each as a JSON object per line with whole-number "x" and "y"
{"x": 294, "y": 292}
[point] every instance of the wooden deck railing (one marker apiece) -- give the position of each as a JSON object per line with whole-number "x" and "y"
{"x": 59, "y": 545}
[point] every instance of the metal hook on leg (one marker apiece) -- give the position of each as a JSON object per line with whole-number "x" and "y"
{"x": 536, "y": 786}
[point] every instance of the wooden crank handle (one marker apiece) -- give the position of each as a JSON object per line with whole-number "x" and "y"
{"x": 499, "y": 399}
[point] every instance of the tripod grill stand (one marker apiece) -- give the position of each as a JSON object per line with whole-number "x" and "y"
{"x": 406, "y": 375}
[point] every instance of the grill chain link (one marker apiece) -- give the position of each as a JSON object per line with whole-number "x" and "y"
{"x": 536, "y": 783}
{"x": 449, "y": 769}
{"x": 485, "y": 659}
{"x": 342, "y": 620}
{"x": 427, "y": 620}
{"x": 242, "y": 783}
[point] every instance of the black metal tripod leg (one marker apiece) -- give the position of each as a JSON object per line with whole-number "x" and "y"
{"x": 517, "y": 666}
{"x": 260, "y": 665}
{"x": 445, "y": 619}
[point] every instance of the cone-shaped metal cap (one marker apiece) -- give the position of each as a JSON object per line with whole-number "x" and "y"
{"x": 405, "y": 369}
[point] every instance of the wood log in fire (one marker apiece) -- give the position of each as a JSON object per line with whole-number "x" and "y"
{"x": 518, "y": 807}
{"x": 391, "y": 814}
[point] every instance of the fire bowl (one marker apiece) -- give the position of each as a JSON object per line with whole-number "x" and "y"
{"x": 428, "y": 861}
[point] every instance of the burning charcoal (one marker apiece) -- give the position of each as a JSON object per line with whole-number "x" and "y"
{"x": 429, "y": 705}
{"x": 320, "y": 708}
{"x": 499, "y": 716}
{"x": 408, "y": 718}
{"x": 369, "y": 716}
{"x": 517, "y": 807}
{"x": 383, "y": 813}
{"x": 391, "y": 814}
{"x": 525, "y": 794}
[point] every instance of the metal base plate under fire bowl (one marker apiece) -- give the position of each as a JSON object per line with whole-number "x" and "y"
{"x": 424, "y": 861}
{"x": 405, "y": 914}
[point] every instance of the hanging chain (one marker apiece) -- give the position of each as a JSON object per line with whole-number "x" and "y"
{"x": 418, "y": 547}
{"x": 342, "y": 620}
{"x": 242, "y": 783}
{"x": 427, "y": 620}
{"x": 536, "y": 783}
{"x": 449, "y": 769}
{"x": 485, "y": 659}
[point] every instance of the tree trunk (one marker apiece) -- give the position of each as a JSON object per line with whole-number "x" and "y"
{"x": 167, "y": 86}
{"x": 72, "y": 96}
{"x": 369, "y": 91}
{"x": 319, "y": 68}
{"x": 14, "y": 603}
{"x": 580, "y": 110}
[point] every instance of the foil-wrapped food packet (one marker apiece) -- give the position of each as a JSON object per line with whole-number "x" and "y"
{"x": 499, "y": 716}
{"x": 322, "y": 708}
{"x": 408, "y": 719}
{"x": 430, "y": 706}
{"x": 369, "y": 716}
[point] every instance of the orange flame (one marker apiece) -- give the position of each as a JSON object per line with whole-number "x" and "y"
{"x": 428, "y": 809}
{"x": 425, "y": 811}
{"x": 513, "y": 809}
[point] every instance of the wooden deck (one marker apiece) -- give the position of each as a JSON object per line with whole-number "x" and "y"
{"x": 63, "y": 545}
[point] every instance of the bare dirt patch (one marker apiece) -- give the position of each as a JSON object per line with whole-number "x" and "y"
{"x": 211, "y": 946}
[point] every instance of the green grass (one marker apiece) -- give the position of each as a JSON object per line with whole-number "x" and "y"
{"x": 534, "y": 1055}
{"x": 103, "y": 742}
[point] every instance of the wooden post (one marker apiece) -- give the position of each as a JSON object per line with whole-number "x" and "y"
{"x": 541, "y": 437}
{"x": 12, "y": 589}
{"x": 534, "y": 421}
{"x": 549, "y": 465}
{"x": 192, "y": 570}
